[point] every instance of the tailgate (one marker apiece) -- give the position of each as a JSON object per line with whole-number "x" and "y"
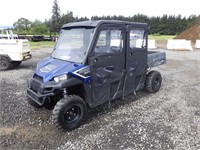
{"x": 155, "y": 58}
{"x": 25, "y": 46}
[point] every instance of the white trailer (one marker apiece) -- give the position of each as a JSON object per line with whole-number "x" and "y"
{"x": 12, "y": 50}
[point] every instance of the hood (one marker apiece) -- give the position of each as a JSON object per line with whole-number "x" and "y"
{"x": 50, "y": 68}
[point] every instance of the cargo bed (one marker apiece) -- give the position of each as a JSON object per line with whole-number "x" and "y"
{"x": 155, "y": 58}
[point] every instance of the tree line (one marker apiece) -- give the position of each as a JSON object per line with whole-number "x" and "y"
{"x": 165, "y": 25}
{"x": 161, "y": 25}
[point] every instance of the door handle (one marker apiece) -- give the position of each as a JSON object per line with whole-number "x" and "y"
{"x": 111, "y": 68}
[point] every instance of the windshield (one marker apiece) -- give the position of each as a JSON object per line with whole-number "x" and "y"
{"x": 72, "y": 44}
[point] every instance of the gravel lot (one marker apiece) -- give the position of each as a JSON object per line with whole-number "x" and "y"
{"x": 169, "y": 119}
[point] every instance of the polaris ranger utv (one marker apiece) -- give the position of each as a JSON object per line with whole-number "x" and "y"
{"x": 93, "y": 62}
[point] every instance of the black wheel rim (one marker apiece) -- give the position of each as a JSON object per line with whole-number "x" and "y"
{"x": 156, "y": 83}
{"x": 72, "y": 114}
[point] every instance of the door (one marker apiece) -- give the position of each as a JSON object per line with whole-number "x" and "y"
{"x": 136, "y": 58}
{"x": 107, "y": 64}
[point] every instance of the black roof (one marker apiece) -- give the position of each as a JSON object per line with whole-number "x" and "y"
{"x": 95, "y": 23}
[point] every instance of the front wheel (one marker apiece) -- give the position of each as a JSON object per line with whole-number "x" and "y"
{"x": 153, "y": 81}
{"x": 69, "y": 112}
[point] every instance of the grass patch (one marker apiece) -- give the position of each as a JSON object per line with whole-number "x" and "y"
{"x": 161, "y": 37}
{"x": 41, "y": 44}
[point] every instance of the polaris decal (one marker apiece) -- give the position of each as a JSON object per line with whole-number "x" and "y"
{"x": 83, "y": 74}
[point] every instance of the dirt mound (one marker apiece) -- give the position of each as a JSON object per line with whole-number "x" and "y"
{"x": 192, "y": 33}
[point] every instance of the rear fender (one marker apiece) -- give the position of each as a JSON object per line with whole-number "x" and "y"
{"x": 6, "y": 57}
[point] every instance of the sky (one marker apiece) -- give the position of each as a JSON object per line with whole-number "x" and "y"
{"x": 12, "y": 10}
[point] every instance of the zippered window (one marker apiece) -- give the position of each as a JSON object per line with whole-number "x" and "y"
{"x": 137, "y": 38}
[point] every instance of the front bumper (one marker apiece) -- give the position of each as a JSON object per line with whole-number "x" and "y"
{"x": 38, "y": 91}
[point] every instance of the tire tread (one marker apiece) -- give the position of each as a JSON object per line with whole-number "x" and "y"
{"x": 59, "y": 106}
{"x": 150, "y": 78}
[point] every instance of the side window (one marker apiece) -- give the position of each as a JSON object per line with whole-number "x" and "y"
{"x": 109, "y": 41}
{"x": 137, "y": 38}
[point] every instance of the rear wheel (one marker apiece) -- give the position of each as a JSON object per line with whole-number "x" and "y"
{"x": 69, "y": 112}
{"x": 4, "y": 63}
{"x": 153, "y": 81}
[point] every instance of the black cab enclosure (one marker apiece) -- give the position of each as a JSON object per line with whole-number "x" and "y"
{"x": 94, "y": 62}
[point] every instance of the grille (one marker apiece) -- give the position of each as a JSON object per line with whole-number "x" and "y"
{"x": 38, "y": 77}
{"x": 36, "y": 86}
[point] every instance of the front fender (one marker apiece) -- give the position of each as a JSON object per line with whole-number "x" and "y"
{"x": 70, "y": 82}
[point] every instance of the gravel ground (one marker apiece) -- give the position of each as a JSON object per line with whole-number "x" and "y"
{"x": 169, "y": 119}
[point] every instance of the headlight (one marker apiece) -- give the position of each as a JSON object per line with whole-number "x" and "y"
{"x": 60, "y": 78}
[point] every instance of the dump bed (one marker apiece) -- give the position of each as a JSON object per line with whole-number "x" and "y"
{"x": 155, "y": 58}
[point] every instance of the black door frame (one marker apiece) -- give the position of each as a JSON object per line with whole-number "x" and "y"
{"x": 136, "y": 62}
{"x": 111, "y": 66}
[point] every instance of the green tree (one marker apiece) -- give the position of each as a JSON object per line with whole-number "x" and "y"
{"x": 66, "y": 18}
{"x": 22, "y": 25}
{"x": 191, "y": 20}
{"x": 154, "y": 25}
{"x": 198, "y": 20}
{"x": 39, "y": 28}
{"x": 56, "y": 17}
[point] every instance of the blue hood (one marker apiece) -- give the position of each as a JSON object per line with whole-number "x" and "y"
{"x": 50, "y": 68}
